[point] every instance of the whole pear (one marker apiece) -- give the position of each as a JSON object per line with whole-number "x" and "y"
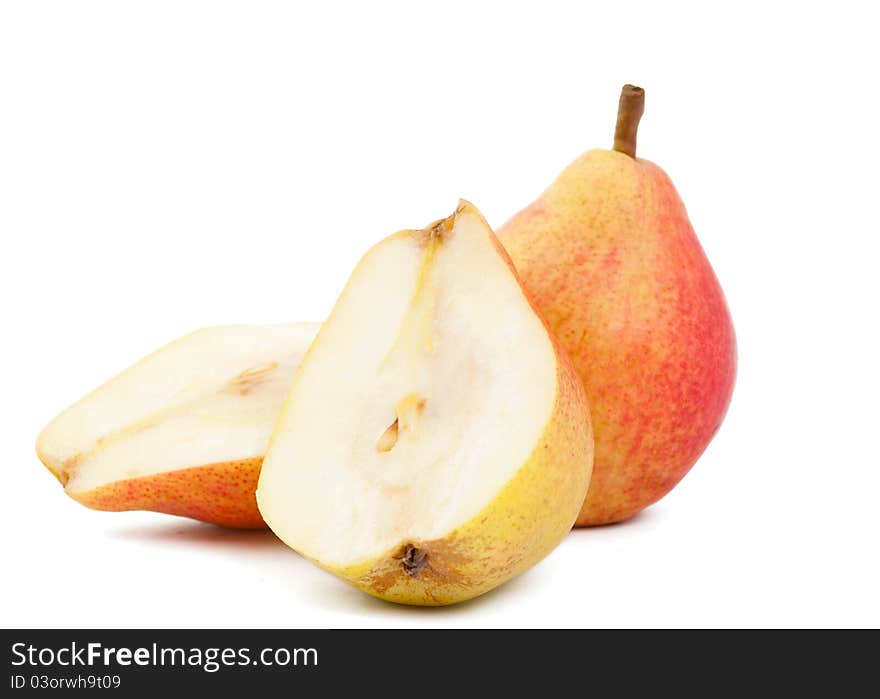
{"x": 611, "y": 260}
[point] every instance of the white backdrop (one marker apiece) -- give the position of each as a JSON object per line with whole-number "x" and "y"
{"x": 171, "y": 165}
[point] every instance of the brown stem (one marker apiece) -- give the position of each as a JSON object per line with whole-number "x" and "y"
{"x": 629, "y": 112}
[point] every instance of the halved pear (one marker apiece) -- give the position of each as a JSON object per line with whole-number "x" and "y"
{"x": 184, "y": 430}
{"x": 435, "y": 441}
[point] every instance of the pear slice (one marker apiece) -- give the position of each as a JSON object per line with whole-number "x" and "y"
{"x": 435, "y": 442}
{"x": 184, "y": 430}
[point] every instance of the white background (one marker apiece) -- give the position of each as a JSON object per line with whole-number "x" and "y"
{"x": 171, "y": 165}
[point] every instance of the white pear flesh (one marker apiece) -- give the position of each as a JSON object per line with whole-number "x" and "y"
{"x": 184, "y": 430}
{"x": 435, "y": 442}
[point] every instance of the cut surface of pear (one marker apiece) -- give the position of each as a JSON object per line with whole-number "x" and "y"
{"x": 184, "y": 430}
{"x": 435, "y": 441}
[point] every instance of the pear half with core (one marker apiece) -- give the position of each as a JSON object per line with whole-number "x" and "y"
{"x": 184, "y": 430}
{"x": 435, "y": 441}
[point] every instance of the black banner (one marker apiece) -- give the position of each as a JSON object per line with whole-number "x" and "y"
{"x": 128, "y": 662}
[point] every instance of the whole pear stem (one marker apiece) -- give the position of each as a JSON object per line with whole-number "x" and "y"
{"x": 629, "y": 112}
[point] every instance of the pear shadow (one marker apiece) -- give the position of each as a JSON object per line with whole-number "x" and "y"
{"x": 324, "y": 591}
{"x": 646, "y": 518}
{"x": 187, "y": 533}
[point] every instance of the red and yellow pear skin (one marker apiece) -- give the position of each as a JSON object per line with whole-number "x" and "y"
{"x": 611, "y": 261}
{"x": 221, "y": 494}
